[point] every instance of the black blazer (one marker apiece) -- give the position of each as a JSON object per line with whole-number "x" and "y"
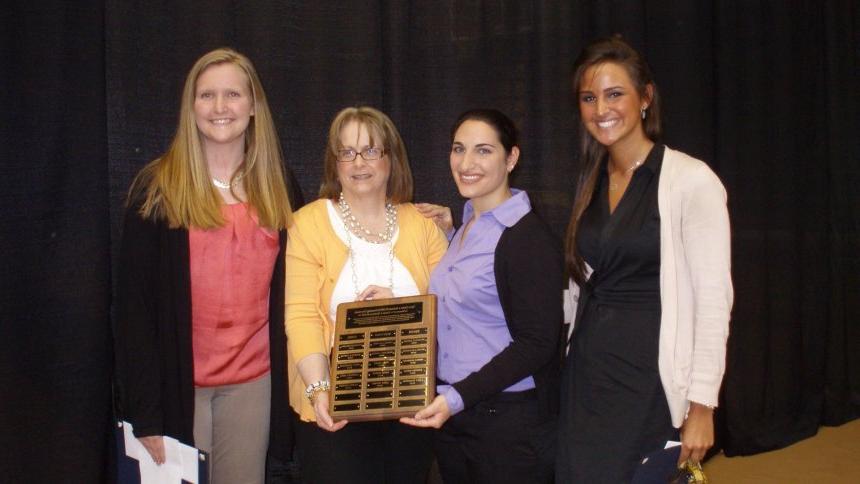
{"x": 154, "y": 360}
{"x": 528, "y": 267}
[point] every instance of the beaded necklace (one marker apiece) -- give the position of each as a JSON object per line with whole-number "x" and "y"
{"x": 353, "y": 226}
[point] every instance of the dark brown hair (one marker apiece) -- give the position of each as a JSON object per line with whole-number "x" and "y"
{"x": 612, "y": 50}
{"x": 505, "y": 129}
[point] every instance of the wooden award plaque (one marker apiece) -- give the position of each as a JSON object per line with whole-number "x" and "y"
{"x": 383, "y": 362}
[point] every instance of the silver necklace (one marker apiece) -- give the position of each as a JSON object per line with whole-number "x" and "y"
{"x": 350, "y": 224}
{"x": 614, "y": 185}
{"x": 353, "y": 225}
{"x": 226, "y": 186}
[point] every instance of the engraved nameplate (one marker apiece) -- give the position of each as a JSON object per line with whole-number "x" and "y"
{"x": 384, "y": 358}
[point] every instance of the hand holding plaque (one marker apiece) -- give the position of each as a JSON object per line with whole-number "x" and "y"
{"x": 384, "y": 358}
{"x": 432, "y": 416}
{"x": 375, "y": 292}
{"x": 323, "y": 417}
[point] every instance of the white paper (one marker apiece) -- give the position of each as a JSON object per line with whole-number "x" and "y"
{"x": 190, "y": 457}
{"x": 671, "y": 443}
{"x": 181, "y": 461}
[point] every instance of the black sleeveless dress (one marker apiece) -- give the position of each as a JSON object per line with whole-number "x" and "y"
{"x": 613, "y": 408}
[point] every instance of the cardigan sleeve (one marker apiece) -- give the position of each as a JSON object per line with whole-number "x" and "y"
{"x": 530, "y": 281}
{"x": 305, "y": 272}
{"x": 136, "y": 335}
{"x": 420, "y": 245}
{"x": 707, "y": 248}
{"x": 437, "y": 244}
{"x": 281, "y": 419}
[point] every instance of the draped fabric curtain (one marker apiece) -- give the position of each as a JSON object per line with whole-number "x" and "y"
{"x": 55, "y": 341}
{"x": 766, "y": 92}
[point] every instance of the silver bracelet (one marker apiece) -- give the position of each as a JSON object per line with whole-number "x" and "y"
{"x": 316, "y": 387}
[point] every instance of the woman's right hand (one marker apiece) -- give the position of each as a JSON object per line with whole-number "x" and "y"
{"x": 324, "y": 420}
{"x": 154, "y": 444}
{"x": 439, "y": 214}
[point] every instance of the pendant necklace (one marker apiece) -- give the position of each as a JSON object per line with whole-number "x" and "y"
{"x": 614, "y": 185}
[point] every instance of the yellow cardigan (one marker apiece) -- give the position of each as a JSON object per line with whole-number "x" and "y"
{"x": 315, "y": 258}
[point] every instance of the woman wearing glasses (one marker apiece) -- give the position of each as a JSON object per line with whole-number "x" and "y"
{"x": 360, "y": 240}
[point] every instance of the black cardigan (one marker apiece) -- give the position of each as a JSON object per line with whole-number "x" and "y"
{"x": 154, "y": 360}
{"x": 528, "y": 267}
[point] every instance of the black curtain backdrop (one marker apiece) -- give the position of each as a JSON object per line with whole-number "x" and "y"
{"x": 766, "y": 92}
{"x": 55, "y": 343}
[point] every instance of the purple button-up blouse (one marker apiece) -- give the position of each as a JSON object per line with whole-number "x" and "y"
{"x": 471, "y": 324}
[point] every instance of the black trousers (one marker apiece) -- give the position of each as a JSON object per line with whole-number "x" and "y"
{"x": 364, "y": 452}
{"x": 508, "y": 438}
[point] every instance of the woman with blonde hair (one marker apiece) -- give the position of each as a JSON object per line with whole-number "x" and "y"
{"x": 199, "y": 329}
{"x": 361, "y": 240}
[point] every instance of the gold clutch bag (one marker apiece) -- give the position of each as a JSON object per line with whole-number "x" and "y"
{"x": 689, "y": 473}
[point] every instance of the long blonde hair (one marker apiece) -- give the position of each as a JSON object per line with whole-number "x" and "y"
{"x": 177, "y": 186}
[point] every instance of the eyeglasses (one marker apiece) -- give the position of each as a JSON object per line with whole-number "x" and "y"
{"x": 367, "y": 154}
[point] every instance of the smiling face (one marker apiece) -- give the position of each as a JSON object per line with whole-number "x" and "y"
{"x": 360, "y": 177}
{"x": 480, "y": 165}
{"x": 223, "y": 105}
{"x": 610, "y": 105}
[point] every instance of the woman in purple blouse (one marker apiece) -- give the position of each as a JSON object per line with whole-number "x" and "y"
{"x": 499, "y": 292}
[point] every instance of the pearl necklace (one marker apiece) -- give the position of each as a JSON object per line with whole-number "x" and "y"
{"x": 351, "y": 225}
{"x": 226, "y": 186}
{"x": 614, "y": 185}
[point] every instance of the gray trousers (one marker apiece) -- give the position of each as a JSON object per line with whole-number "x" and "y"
{"x": 231, "y": 423}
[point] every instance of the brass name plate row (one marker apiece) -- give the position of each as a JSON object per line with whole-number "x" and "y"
{"x": 384, "y": 358}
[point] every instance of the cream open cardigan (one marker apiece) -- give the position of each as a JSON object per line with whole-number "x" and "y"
{"x": 695, "y": 283}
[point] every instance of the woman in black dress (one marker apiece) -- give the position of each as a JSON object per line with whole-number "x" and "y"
{"x": 648, "y": 252}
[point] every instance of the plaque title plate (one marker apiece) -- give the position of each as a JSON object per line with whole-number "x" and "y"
{"x": 383, "y": 362}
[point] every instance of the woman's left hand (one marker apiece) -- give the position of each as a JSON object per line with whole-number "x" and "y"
{"x": 375, "y": 292}
{"x": 433, "y": 415}
{"x": 697, "y": 433}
